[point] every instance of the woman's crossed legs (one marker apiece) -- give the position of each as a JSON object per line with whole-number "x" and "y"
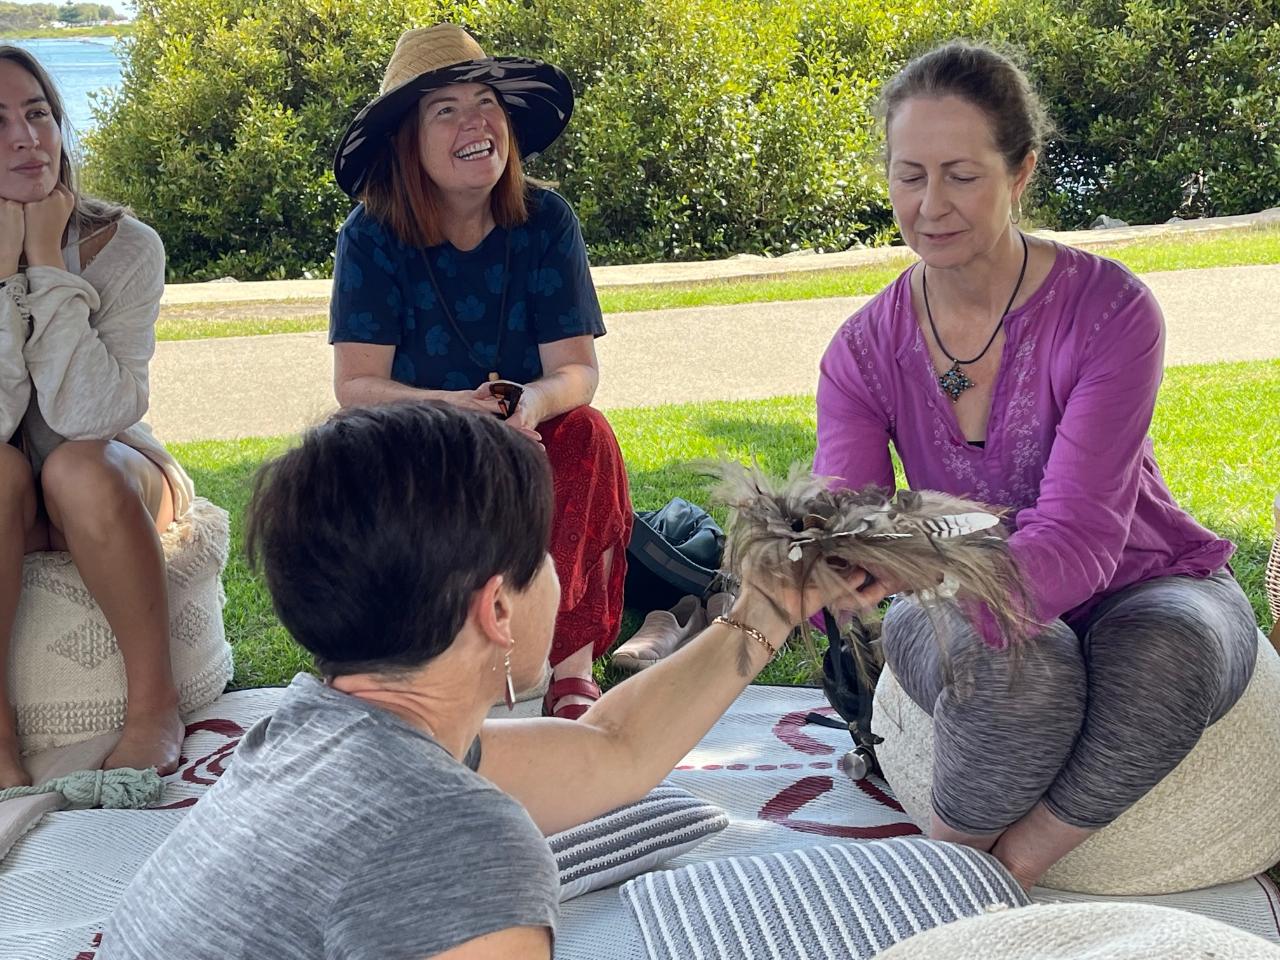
{"x": 104, "y": 502}
{"x": 1034, "y": 753}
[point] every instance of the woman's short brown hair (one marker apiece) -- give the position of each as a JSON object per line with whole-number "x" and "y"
{"x": 399, "y": 195}
{"x": 374, "y": 533}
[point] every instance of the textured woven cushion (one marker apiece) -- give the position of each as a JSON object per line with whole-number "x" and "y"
{"x": 1086, "y": 931}
{"x": 632, "y": 839}
{"x": 1214, "y": 819}
{"x": 1273, "y": 578}
{"x": 65, "y": 671}
{"x": 845, "y": 900}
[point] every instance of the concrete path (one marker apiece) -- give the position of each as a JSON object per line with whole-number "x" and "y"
{"x": 270, "y": 385}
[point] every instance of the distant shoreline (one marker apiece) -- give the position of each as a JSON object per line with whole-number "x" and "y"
{"x": 67, "y": 33}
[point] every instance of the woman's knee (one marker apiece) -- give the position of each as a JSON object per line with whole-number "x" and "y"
{"x": 581, "y": 428}
{"x": 85, "y": 478}
{"x": 1004, "y": 732}
{"x": 587, "y": 467}
{"x": 912, "y": 651}
{"x": 928, "y": 650}
{"x": 1165, "y": 660}
{"x": 1189, "y": 644}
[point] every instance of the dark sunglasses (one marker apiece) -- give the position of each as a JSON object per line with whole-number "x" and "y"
{"x": 508, "y": 396}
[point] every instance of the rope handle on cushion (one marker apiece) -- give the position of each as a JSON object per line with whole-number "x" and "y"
{"x": 120, "y": 789}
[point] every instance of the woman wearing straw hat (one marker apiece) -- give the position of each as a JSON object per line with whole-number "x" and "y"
{"x": 457, "y": 279}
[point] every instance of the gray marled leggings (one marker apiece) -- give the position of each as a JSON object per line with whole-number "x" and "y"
{"x": 1088, "y": 722}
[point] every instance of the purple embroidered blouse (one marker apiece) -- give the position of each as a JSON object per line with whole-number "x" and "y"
{"x": 1067, "y": 449}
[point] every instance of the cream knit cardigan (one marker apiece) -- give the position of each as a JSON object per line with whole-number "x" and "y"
{"x": 75, "y": 348}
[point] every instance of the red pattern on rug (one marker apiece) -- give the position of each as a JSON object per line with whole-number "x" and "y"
{"x": 782, "y": 809}
{"x": 737, "y": 765}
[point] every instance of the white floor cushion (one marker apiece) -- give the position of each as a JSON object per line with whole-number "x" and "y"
{"x": 66, "y": 675}
{"x": 1085, "y": 931}
{"x": 1215, "y": 819}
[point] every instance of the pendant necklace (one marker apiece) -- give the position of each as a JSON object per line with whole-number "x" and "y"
{"x": 453, "y": 324}
{"x": 954, "y": 382}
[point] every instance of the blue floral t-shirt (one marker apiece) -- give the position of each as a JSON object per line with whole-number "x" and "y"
{"x": 382, "y": 293}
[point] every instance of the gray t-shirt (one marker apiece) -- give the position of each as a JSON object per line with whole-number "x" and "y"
{"x": 338, "y": 831}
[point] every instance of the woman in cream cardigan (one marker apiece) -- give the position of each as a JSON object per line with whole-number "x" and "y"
{"x": 80, "y": 285}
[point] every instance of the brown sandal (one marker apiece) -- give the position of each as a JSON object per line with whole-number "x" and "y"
{"x": 567, "y": 687}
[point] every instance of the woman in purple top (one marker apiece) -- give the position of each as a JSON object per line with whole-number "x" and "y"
{"x": 1024, "y": 373}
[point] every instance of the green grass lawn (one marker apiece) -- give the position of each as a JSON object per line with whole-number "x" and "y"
{"x": 255, "y": 321}
{"x": 1242, "y": 247}
{"x": 1230, "y": 248}
{"x": 1214, "y": 432}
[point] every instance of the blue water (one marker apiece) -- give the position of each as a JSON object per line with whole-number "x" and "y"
{"x": 79, "y": 66}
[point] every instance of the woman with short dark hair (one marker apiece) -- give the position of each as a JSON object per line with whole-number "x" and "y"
{"x": 377, "y": 813}
{"x": 456, "y": 271}
{"x": 1023, "y": 373}
{"x": 80, "y": 286}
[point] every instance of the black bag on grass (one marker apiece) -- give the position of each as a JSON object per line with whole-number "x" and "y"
{"x": 673, "y": 551}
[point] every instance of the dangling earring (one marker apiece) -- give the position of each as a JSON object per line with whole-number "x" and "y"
{"x": 1016, "y": 217}
{"x": 509, "y": 694}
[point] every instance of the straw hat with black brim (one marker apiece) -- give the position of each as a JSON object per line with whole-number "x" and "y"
{"x": 537, "y": 96}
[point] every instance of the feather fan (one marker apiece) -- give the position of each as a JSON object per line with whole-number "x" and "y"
{"x": 805, "y": 532}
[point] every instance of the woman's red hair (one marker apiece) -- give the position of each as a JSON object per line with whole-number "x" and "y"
{"x": 399, "y": 194}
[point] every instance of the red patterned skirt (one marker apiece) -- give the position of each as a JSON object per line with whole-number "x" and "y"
{"x": 593, "y": 516}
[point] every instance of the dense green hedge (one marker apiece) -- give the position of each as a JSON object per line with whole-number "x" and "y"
{"x": 1165, "y": 107}
{"x": 703, "y": 127}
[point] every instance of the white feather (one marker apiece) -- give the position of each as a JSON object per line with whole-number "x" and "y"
{"x": 958, "y": 524}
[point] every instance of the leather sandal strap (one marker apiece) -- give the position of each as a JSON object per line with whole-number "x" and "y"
{"x": 573, "y": 686}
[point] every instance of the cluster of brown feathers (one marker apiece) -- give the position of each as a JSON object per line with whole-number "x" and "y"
{"x": 804, "y": 532}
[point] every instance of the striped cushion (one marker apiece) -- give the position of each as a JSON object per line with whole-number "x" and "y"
{"x": 632, "y": 839}
{"x": 845, "y": 900}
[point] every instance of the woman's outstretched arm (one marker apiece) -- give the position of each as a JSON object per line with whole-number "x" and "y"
{"x": 566, "y": 772}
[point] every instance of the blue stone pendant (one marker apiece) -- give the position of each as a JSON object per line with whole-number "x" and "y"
{"x": 954, "y": 382}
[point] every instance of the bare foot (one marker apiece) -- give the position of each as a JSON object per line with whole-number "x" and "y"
{"x": 149, "y": 740}
{"x": 12, "y": 773}
{"x": 940, "y": 830}
{"x": 1036, "y": 842}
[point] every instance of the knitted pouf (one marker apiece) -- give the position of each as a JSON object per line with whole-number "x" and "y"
{"x": 66, "y": 675}
{"x": 1085, "y": 931}
{"x": 1214, "y": 819}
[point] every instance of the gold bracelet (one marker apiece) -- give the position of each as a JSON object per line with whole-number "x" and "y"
{"x": 751, "y": 632}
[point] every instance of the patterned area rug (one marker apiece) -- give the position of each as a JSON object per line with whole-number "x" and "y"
{"x": 778, "y": 778}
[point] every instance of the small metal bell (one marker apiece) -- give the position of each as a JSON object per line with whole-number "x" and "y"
{"x": 856, "y": 763}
